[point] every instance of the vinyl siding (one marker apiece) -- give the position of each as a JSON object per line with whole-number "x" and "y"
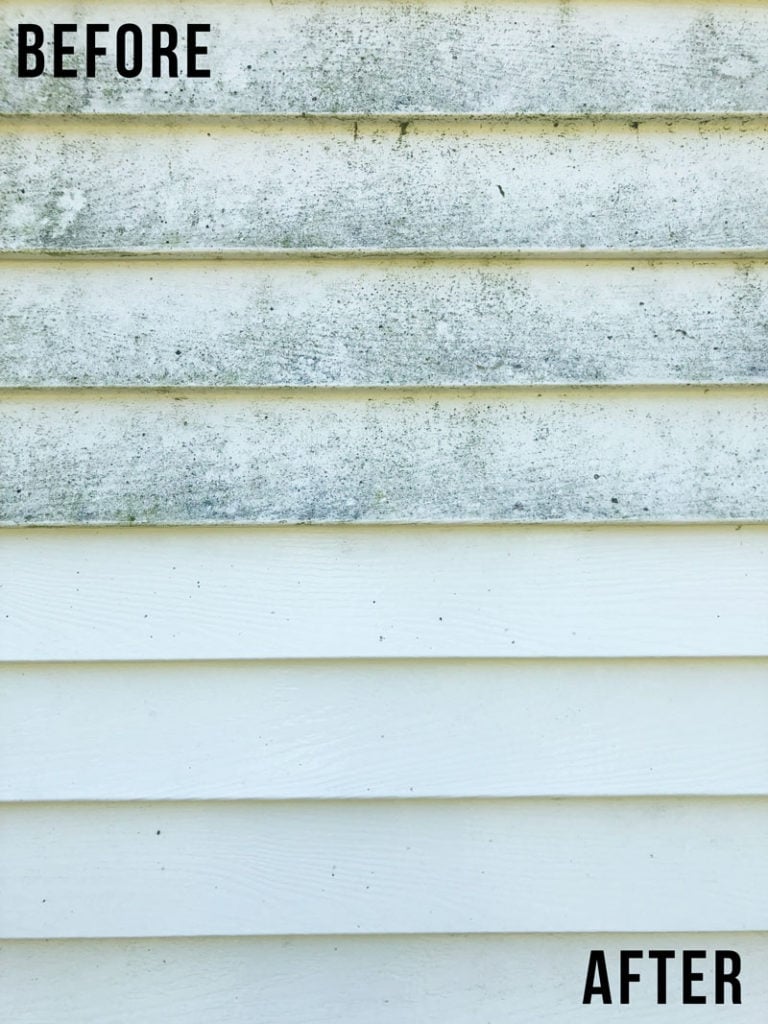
{"x": 383, "y": 728}
{"x": 356, "y": 979}
{"x": 423, "y": 347}
{"x": 460, "y": 457}
{"x": 468, "y": 187}
{"x": 294, "y": 58}
{"x": 410, "y": 866}
{"x": 402, "y": 592}
{"x": 395, "y": 323}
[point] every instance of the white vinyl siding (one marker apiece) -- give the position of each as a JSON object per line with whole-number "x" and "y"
{"x": 323, "y": 186}
{"x": 442, "y": 57}
{"x": 382, "y": 867}
{"x": 389, "y": 728}
{"x": 390, "y": 410}
{"x": 341, "y": 979}
{"x": 396, "y": 323}
{"x": 392, "y": 592}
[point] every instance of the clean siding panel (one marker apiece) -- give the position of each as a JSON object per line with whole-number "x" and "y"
{"x": 336, "y": 592}
{"x": 149, "y": 458}
{"x": 383, "y": 729}
{"x": 435, "y": 979}
{"x": 381, "y": 324}
{"x": 244, "y": 868}
{"x": 500, "y": 58}
{"x": 224, "y": 185}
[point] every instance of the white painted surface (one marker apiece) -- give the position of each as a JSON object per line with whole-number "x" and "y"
{"x": 435, "y": 979}
{"x": 309, "y": 734}
{"x": 567, "y": 456}
{"x": 628, "y": 56}
{"x": 346, "y": 867}
{"x": 410, "y": 729}
{"x": 529, "y": 187}
{"x": 365, "y": 323}
{"x": 334, "y": 592}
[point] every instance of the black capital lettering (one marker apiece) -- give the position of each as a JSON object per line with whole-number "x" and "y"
{"x": 30, "y": 48}
{"x": 137, "y": 57}
{"x": 661, "y": 956}
{"x": 60, "y": 51}
{"x": 731, "y": 977}
{"x": 194, "y": 50}
{"x": 600, "y": 987}
{"x": 92, "y": 51}
{"x": 689, "y": 975}
{"x": 165, "y": 49}
{"x": 625, "y": 956}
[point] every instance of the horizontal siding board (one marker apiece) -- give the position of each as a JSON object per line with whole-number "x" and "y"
{"x": 319, "y": 867}
{"x": 365, "y": 323}
{"x": 434, "y": 979}
{"x": 233, "y": 186}
{"x": 501, "y": 58}
{"x": 336, "y": 592}
{"x": 382, "y": 729}
{"x": 653, "y": 456}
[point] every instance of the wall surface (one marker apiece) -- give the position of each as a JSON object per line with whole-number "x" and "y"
{"x": 383, "y": 483}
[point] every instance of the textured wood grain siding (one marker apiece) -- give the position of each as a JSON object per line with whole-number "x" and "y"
{"x": 309, "y": 867}
{"x": 383, "y": 729}
{"x": 446, "y": 186}
{"x": 423, "y": 979}
{"x": 448, "y": 457}
{"x": 338, "y": 592}
{"x": 384, "y": 741}
{"x": 435, "y": 57}
{"x": 397, "y": 323}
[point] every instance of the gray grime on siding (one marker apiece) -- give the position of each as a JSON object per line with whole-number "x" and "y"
{"x": 544, "y": 57}
{"x": 233, "y": 457}
{"x": 230, "y": 185}
{"x": 364, "y": 323}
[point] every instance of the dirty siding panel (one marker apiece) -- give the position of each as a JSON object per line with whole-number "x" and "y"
{"x": 436, "y": 57}
{"x": 335, "y": 592}
{"x": 386, "y": 728}
{"x": 186, "y": 186}
{"x": 366, "y": 323}
{"x": 572, "y": 456}
{"x": 347, "y": 867}
{"x": 430, "y": 979}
